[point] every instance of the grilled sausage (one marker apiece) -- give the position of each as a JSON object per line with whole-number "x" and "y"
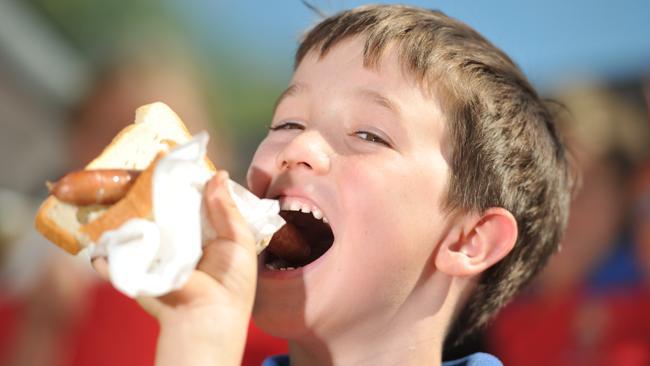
{"x": 289, "y": 245}
{"x": 93, "y": 187}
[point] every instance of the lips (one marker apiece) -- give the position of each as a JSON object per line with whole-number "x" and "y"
{"x": 309, "y": 228}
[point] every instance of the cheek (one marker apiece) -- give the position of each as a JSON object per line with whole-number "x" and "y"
{"x": 387, "y": 242}
{"x": 398, "y": 201}
{"x": 410, "y": 185}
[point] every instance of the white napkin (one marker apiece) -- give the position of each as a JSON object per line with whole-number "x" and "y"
{"x": 152, "y": 258}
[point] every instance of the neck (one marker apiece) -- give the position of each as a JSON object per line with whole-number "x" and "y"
{"x": 413, "y": 334}
{"x": 418, "y": 346}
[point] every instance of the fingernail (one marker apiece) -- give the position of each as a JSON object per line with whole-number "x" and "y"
{"x": 223, "y": 176}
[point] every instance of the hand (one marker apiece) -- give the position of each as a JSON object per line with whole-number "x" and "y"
{"x": 206, "y": 321}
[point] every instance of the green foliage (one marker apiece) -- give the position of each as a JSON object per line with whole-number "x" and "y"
{"x": 90, "y": 23}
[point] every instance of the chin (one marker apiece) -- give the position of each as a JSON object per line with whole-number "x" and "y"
{"x": 280, "y": 323}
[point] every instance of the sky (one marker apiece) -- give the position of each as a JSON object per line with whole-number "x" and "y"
{"x": 553, "y": 40}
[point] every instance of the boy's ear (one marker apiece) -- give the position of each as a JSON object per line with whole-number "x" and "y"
{"x": 477, "y": 242}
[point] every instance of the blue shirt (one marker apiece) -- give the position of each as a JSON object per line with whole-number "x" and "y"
{"x": 476, "y": 359}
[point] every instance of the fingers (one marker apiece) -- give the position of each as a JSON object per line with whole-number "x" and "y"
{"x": 223, "y": 214}
{"x": 101, "y": 266}
{"x": 227, "y": 271}
{"x": 231, "y": 259}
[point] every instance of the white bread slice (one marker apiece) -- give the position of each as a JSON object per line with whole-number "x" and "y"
{"x": 155, "y": 129}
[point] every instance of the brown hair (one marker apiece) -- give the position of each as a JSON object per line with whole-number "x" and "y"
{"x": 504, "y": 149}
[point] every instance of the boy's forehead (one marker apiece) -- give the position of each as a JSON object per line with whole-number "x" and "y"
{"x": 386, "y": 85}
{"x": 344, "y": 63}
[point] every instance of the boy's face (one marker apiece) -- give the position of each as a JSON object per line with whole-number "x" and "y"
{"x": 364, "y": 147}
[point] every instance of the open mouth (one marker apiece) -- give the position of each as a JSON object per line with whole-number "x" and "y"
{"x": 305, "y": 238}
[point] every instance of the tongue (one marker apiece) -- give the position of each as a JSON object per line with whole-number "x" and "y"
{"x": 288, "y": 244}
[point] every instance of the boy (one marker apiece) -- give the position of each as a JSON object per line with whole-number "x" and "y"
{"x": 432, "y": 185}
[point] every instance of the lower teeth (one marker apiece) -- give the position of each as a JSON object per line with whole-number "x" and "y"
{"x": 279, "y": 266}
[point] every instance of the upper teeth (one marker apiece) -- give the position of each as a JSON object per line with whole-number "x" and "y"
{"x": 287, "y": 205}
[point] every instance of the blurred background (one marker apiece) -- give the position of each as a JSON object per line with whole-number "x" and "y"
{"x": 72, "y": 73}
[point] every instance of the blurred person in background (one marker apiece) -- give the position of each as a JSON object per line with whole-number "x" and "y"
{"x": 641, "y": 220}
{"x": 64, "y": 312}
{"x": 590, "y": 306}
{"x": 641, "y": 208}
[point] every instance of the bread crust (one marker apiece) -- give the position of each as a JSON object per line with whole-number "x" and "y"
{"x": 52, "y": 231}
{"x": 137, "y": 203}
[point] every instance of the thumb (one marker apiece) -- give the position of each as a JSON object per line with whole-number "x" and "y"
{"x": 231, "y": 259}
{"x": 223, "y": 214}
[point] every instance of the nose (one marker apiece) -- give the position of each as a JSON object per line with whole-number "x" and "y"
{"x": 309, "y": 150}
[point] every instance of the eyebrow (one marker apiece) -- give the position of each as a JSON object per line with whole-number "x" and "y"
{"x": 379, "y": 99}
{"x": 369, "y": 94}
{"x": 293, "y": 89}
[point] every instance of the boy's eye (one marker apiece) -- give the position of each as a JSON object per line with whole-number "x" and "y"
{"x": 287, "y": 126}
{"x": 371, "y": 137}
